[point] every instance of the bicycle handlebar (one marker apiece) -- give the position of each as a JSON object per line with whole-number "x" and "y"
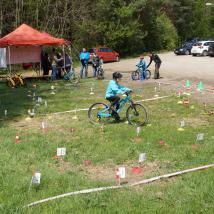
{"x": 128, "y": 92}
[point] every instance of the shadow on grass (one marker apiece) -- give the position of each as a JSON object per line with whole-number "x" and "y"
{"x": 14, "y": 103}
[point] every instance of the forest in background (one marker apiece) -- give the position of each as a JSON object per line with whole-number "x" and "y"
{"x": 128, "y": 26}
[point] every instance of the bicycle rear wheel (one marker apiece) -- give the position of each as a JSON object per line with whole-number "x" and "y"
{"x": 135, "y": 75}
{"x": 100, "y": 75}
{"x": 136, "y": 115}
{"x": 148, "y": 74}
{"x": 99, "y": 113}
{"x": 22, "y": 82}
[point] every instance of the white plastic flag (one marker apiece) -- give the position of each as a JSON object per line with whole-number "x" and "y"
{"x": 142, "y": 157}
{"x": 138, "y": 131}
{"x": 92, "y": 91}
{"x": 179, "y": 94}
{"x": 200, "y": 137}
{"x": 61, "y": 151}
{"x": 75, "y": 114}
{"x": 39, "y": 99}
{"x": 182, "y": 123}
{"x": 5, "y": 112}
{"x": 122, "y": 172}
{"x": 43, "y": 125}
{"x": 36, "y": 178}
{"x": 52, "y": 90}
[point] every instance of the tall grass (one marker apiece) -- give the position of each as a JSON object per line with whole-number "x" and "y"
{"x": 108, "y": 149}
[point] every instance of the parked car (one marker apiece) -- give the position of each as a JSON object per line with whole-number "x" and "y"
{"x": 201, "y": 48}
{"x": 184, "y": 49}
{"x": 106, "y": 54}
{"x": 211, "y": 50}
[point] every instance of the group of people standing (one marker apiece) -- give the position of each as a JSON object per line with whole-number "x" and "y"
{"x": 84, "y": 58}
{"x": 56, "y": 62}
{"x": 143, "y": 66}
{"x": 60, "y": 64}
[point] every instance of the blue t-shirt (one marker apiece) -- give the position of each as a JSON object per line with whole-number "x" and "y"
{"x": 85, "y": 56}
{"x": 142, "y": 65}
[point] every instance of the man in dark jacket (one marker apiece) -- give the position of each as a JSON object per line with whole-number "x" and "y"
{"x": 45, "y": 63}
{"x": 157, "y": 60}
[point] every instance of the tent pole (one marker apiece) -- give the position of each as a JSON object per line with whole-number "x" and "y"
{"x": 9, "y": 59}
{"x": 63, "y": 48}
{"x": 40, "y": 68}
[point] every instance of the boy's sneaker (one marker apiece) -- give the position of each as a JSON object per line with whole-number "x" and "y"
{"x": 116, "y": 116}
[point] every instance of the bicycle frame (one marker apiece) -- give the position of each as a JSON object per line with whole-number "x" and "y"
{"x": 122, "y": 103}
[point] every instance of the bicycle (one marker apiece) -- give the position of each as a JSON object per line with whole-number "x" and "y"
{"x": 10, "y": 81}
{"x": 101, "y": 113}
{"x": 100, "y": 73}
{"x": 71, "y": 76}
{"x": 135, "y": 75}
{"x": 15, "y": 80}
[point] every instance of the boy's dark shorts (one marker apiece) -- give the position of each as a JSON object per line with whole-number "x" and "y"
{"x": 113, "y": 99}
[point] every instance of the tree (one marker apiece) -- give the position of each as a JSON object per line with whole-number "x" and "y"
{"x": 167, "y": 33}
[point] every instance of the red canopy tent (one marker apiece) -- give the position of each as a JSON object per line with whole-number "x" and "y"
{"x": 25, "y": 43}
{"x": 25, "y": 35}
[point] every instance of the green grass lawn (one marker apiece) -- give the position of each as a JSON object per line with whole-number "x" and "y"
{"x": 107, "y": 149}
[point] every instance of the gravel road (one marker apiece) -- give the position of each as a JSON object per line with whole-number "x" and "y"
{"x": 173, "y": 67}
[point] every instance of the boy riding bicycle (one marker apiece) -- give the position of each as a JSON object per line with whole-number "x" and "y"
{"x": 142, "y": 67}
{"x": 114, "y": 92}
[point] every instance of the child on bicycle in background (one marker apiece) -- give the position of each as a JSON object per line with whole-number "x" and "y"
{"x": 142, "y": 67}
{"x": 95, "y": 64}
{"x": 114, "y": 92}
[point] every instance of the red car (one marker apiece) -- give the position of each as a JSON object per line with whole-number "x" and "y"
{"x": 105, "y": 54}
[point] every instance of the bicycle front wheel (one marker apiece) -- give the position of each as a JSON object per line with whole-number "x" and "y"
{"x": 136, "y": 114}
{"x": 76, "y": 79}
{"x": 135, "y": 75}
{"x": 100, "y": 75}
{"x": 99, "y": 113}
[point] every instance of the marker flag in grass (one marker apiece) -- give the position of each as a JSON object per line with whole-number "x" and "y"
{"x": 36, "y": 178}
{"x": 142, "y": 157}
{"x": 92, "y": 91}
{"x": 61, "y": 152}
{"x": 138, "y": 131}
{"x": 122, "y": 172}
{"x": 200, "y": 137}
{"x": 200, "y": 86}
{"x": 18, "y": 139}
{"x": 182, "y": 123}
{"x": 187, "y": 83}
